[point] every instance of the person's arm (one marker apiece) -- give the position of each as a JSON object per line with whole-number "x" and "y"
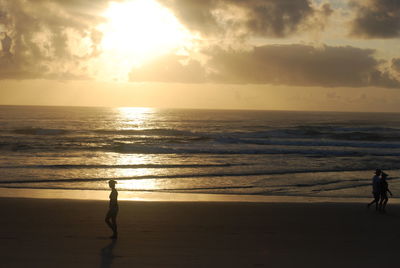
{"x": 390, "y": 192}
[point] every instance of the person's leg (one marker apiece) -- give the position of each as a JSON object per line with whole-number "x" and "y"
{"x": 377, "y": 203}
{"x": 383, "y": 208}
{"x": 381, "y": 203}
{"x": 371, "y": 203}
{"x": 108, "y": 220}
{"x": 376, "y": 200}
{"x": 114, "y": 226}
{"x": 377, "y": 197}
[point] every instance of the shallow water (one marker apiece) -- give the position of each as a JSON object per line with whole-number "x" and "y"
{"x": 267, "y": 153}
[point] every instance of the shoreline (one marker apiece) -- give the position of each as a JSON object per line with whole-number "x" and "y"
{"x": 101, "y": 195}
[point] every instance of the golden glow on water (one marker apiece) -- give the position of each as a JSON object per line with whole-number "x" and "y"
{"x": 134, "y": 184}
{"x": 147, "y": 184}
{"x": 133, "y": 172}
{"x": 134, "y": 117}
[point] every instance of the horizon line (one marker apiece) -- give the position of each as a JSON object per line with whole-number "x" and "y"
{"x": 195, "y": 108}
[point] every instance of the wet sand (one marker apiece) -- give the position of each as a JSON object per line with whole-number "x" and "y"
{"x": 72, "y": 233}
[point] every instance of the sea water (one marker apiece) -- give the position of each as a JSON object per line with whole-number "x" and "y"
{"x": 264, "y": 153}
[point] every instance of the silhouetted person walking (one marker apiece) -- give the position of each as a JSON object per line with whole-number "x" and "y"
{"x": 384, "y": 190}
{"x": 376, "y": 189}
{"x": 111, "y": 217}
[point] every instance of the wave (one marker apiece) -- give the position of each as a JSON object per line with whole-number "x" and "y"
{"x": 161, "y": 132}
{"x": 40, "y": 131}
{"x": 322, "y": 143}
{"x": 248, "y": 147}
{"x": 177, "y": 176}
{"x": 350, "y": 133}
{"x": 183, "y": 176}
{"x": 328, "y": 132}
{"x": 352, "y": 186}
{"x": 149, "y": 166}
{"x": 147, "y": 132}
{"x": 337, "y": 140}
{"x": 131, "y": 190}
{"x": 214, "y": 149}
{"x": 364, "y": 136}
{"x": 301, "y": 132}
{"x": 307, "y": 132}
{"x": 322, "y": 149}
{"x": 284, "y": 190}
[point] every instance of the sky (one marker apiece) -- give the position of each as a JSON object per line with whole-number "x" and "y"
{"x": 329, "y": 55}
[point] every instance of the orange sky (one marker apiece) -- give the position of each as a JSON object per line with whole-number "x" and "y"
{"x": 230, "y": 54}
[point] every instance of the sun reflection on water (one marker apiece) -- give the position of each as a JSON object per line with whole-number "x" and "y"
{"x": 136, "y": 183}
{"x": 134, "y": 117}
{"x": 132, "y": 185}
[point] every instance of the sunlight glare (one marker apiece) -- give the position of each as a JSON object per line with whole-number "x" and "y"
{"x": 137, "y": 31}
{"x": 134, "y": 184}
{"x": 134, "y": 117}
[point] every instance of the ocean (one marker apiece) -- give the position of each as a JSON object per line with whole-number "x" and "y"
{"x": 259, "y": 153}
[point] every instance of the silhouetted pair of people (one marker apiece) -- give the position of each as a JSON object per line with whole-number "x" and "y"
{"x": 380, "y": 190}
{"x": 111, "y": 217}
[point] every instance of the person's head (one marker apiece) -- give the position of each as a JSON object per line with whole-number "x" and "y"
{"x": 112, "y": 183}
{"x": 378, "y": 171}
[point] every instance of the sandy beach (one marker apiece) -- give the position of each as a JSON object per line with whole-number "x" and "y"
{"x": 71, "y": 233}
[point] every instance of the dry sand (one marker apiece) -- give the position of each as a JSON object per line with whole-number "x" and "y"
{"x": 72, "y": 233}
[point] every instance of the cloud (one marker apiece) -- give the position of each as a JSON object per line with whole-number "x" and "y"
{"x": 376, "y": 18}
{"x": 264, "y": 18}
{"x": 293, "y": 65}
{"x": 301, "y": 65}
{"x": 170, "y": 68}
{"x": 48, "y": 39}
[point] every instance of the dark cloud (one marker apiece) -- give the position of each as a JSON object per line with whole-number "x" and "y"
{"x": 396, "y": 64}
{"x": 293, "y": 65}
{"x": 301, "y": 65}
{"x": 40, "y": 33}
{"x": 170, "y": 68}
{"x": 376, "y": 18}
{"x": 249, "y": 17}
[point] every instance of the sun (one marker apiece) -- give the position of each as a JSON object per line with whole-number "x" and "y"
{"x": 137, "y": 31}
